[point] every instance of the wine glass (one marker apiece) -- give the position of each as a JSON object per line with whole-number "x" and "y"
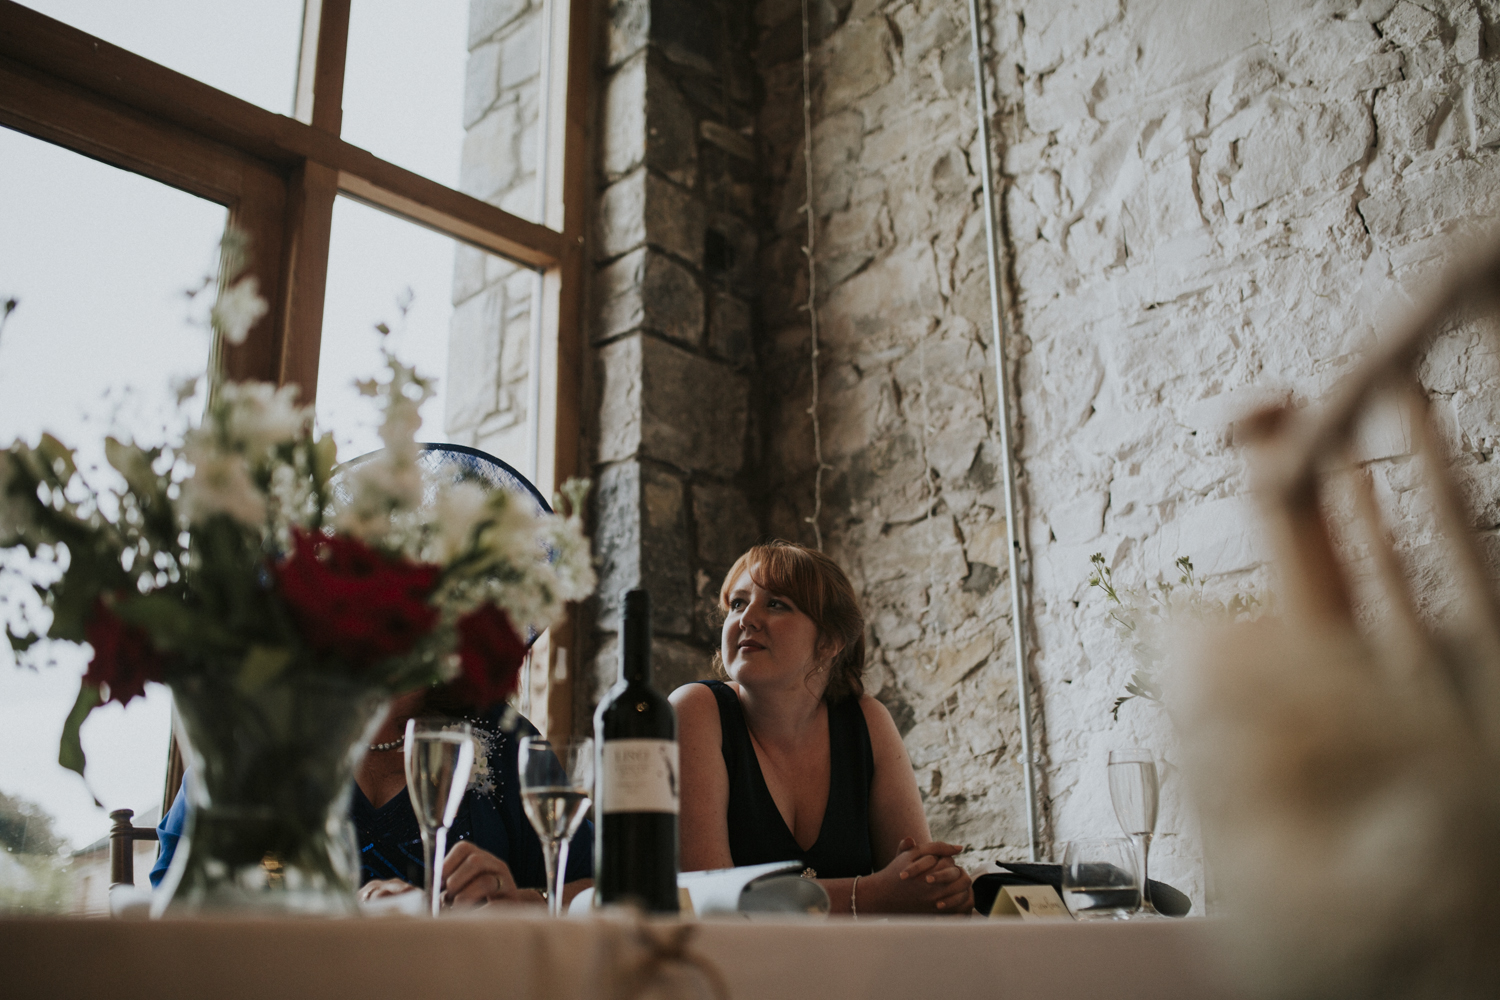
{"x": 439, "y": 757}
{"x": 557, "y": 779}
{"x": 1099, "y": 879}
{"x": 1133, "y": 788}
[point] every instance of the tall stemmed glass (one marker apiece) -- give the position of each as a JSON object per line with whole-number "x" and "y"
{"x": 439, "y": 758}
{"x": 1133, "y": 788}
{"x": 557, "y": 778}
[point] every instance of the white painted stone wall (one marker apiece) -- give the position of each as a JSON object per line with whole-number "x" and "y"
{"x": 1210, "y": 205}
{"x": 489, "y": 341}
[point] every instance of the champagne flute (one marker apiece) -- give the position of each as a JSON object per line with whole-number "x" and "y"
{"x": 1133, "y": 788}
{"x": 439, "y": 757}
{"x": 557, "y": 778}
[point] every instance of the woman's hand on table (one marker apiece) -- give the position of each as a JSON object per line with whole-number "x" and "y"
{"x": 923, "y": 878}
{"x": 382, "y": 887}
{"x": 473, "y": 876}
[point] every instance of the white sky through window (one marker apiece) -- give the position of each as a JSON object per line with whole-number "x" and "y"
{"x": 99, "y": 259}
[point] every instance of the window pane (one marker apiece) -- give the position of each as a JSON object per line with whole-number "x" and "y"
{"x": 99, "y": 260}
{"x": 468, "y": 323}
{"x": 449, "y": 90}
{"x": 245, "y": 49}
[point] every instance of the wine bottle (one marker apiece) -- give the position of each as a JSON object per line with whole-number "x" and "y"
{"x": 635, "y": 737}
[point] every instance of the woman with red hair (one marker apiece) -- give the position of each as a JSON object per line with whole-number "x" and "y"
{"x": 792, "y": 759}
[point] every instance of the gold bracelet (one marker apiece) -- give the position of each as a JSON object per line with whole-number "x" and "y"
{"x": 854, "y": 897}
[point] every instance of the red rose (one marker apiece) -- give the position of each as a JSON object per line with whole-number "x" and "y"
{"x": 354, "y": 603}
{"x": 491, "y": 654}
{"x": 124, "y": 657}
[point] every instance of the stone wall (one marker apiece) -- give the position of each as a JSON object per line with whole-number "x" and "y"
{"x": 913, "y": 507}
{"x": 1207, "y": 206}
{"x": 676, "y": 247}
{"x": 489, "y": 342}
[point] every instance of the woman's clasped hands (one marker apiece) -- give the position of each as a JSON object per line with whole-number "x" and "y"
{"x": 922, "y": 878}
{"x": 472, "y": 876}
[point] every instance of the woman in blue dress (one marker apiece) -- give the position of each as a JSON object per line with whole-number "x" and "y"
{"x": 495, "y": 854}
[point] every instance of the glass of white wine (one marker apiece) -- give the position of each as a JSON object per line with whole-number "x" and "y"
{"x": 1133, "y": 788}
{"x": 439, "y": 758}
{"x": 557, "y": 779}
{"x": 1099, "y": 879}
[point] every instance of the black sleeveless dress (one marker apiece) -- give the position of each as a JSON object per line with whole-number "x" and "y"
{"x": 758, "y": 834}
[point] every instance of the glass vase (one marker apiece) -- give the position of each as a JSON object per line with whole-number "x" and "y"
{"x": 269, "y": 785}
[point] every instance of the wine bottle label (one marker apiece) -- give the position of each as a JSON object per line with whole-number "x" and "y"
{"x": 638, "y": 776}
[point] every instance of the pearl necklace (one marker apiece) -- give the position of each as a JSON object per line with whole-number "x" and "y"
{"x": 392, "y": 745}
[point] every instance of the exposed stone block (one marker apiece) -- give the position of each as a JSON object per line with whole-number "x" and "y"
{"x": 1464, "y": 190}
{"x": 474, "y": 359}
{"x": 729, "y": 329}
{"x": 468, "y": 271}
{"x": 488, "y": 16}
{"x": 490, "y": 160}
{"x": 623, "y": 115}
{"x": 647, "y": 120}
{"x": 695, "y": 410}
{"x": 648, "y": 289}
{"x": 642, "y": 541}
{"x": 1055, "y": 30}
{"x": 674, "y": 662}
{"x": 688, "y": 32}
{"x": 672, "y": 129}
{"x": 725, "y": 524}
{"x": 620, "y": 221}
{"x": 1283, "y": 148}
{"x": 1409, "y": 24}
{"x": 481, "y": 82}
{"x": 617, "y": 289}
{"x": 520, "y": 53}
{"x": 1484, "y": 104}
{"x": 674, "y": 219}
{"x": 859, "y": 62}
{"x": 628, "y": 30}
{"x": 663, "y": 403}
{"x": 620, "y": 409}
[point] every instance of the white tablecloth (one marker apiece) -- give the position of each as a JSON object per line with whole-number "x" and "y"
{"x": 508, "y": 955}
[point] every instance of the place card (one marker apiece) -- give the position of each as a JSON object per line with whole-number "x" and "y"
{"x": 1029, "y": 902}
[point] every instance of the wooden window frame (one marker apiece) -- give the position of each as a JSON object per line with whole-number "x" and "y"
{"x": 278, "y": 176}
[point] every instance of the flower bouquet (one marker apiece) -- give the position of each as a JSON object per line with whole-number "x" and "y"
{"x": 282, "y": 612}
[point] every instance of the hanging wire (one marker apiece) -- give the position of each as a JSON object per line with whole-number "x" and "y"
{"x": 812, "y": 274}
{"x": 1000, "y": 330}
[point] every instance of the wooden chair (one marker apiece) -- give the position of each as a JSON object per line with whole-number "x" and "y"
{"x": 122, "y": 838}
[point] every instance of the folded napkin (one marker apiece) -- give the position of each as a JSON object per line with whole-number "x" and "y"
{"x": 1168, "y": 901}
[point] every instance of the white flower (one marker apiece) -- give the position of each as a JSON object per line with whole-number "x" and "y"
{"x": 220, "y": 484}
{"x": 455, "y": 512}
{"x": 238, "y": 309}
{"x": 378, "y": 490}
{"x": 184, "y": 388}
{"x": 292, "y": 498}
{"x": 259, "y": 416}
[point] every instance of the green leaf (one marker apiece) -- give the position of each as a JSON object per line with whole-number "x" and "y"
{"x": 70, "y": 749}
{"x": 262, "y": 665}
{"x": 53, "y": 452}
{"x": 134, "y": 464}
{"x": 71, "y": 601}
{"x": 172, "y": 625}
{"x": 21, "y": 643}
{"x": 325, "y": 455}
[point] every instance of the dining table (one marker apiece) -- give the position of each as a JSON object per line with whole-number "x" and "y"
{"x": 512, "y": 952}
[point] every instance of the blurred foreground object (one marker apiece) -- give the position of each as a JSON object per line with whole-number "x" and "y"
{"x": 1345, "y": 752}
